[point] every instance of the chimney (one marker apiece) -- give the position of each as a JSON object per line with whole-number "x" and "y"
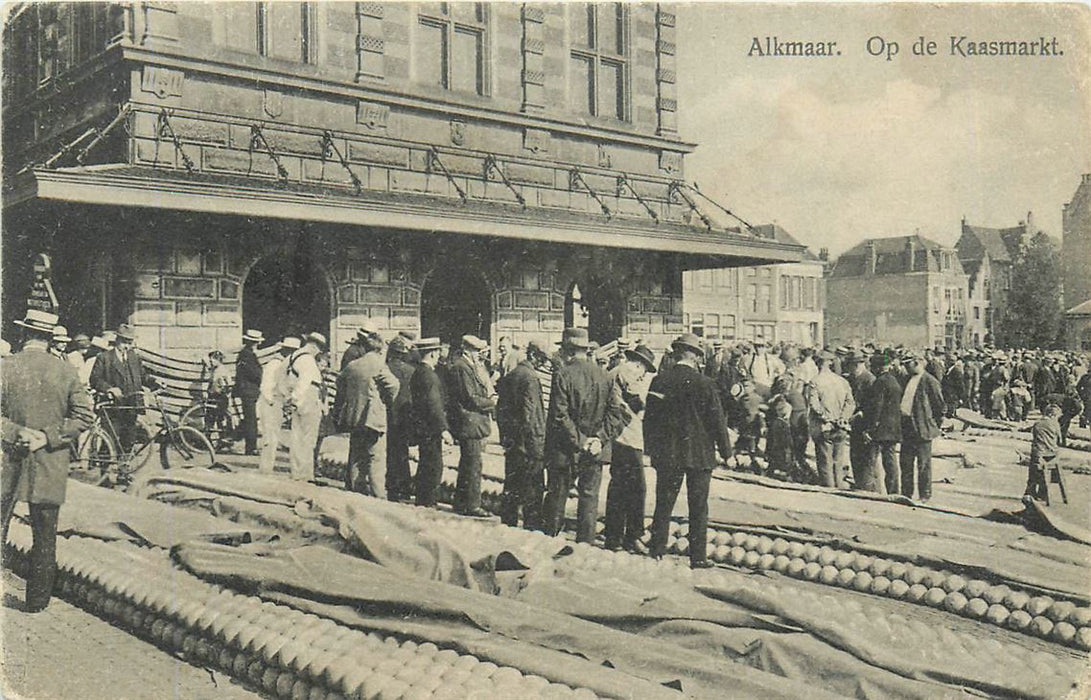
{"x": 872, "y": 257}
{"x": 1030, "y": 224}
{"x": 911, "y": 249}
{"x": 824, "y": 254}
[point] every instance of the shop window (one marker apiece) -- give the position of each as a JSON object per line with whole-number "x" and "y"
{"x": 598, "y": 60}
{"x": 449, "y": 49}
{"x": 697, "y": 325}
{"x": 752, "y": 297}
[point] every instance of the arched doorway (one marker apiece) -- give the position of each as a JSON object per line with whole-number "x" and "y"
{"x": 455, "y": 301}
{"x": 286, "y": 293}
{"x": 598, "y": 306}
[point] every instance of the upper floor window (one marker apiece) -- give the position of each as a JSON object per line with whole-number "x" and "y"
{"x": 286, "y": 31}
{"x": 449, "y": 51}
{"x": 599, "y": 59}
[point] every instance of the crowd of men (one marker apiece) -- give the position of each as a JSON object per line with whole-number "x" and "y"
{"x": 870, "y": 414}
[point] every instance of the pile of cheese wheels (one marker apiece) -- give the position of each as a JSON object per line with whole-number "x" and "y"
{"x": 1061, "y": 621}
{"x": 282, "y": 651}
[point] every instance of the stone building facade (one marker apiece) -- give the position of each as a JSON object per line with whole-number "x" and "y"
{"x": 1076, "y": 266}
{"x": 987, "y": 255}
{"x": 907, "y": 290}
{"x": 775, "y": 303}
{"x": 444, "y": 168}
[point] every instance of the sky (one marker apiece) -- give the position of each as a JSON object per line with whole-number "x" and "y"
{"x": 840, "y": 149}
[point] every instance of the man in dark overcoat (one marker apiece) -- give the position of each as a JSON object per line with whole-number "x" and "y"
{"x": 521, "y": 418}
{"x": 428, "y": 413}
{"x": 120, "y": 373}
{"x": 248, "y": 387}
{"x": 861, "y": 457}
{"x": 882, "y": 421}
{"x": 399, "y": 481}
{"x": 922, "y": 410}
{"x": 472, "y": 400}
{"x": 585, "y": 415}
{"x": 44, "y": 407}
{"x": 685, "y": 422}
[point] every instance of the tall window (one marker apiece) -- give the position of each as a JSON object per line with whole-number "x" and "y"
{"x": 598, "y": 59}
{"x": 765, "y": 298}
{"x": 286, "y": 31}
{"x": 752, "y": 297}
{"x": 450, "y": 48}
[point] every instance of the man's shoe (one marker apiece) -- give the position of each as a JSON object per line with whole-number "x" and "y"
{"x": 703, "y": 564}
{"x": 478, "y": 513}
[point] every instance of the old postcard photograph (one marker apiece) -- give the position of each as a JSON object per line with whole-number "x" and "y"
{"x": 504, "y": 350}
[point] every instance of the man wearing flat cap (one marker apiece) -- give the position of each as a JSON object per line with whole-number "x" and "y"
{"x": 627, "y": 490}
{"x": 428, "y": 413}
{"x": 585, "y": 415}
{"x": 683, "y": 429}
{"x": 472, "y": 399}
{"x": 521, "y": 418}
{"x": 43, "y": 408}
{"x": 365, "y": 391}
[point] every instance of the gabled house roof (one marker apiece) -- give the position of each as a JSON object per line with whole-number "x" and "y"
{"x": 1001, "y": 244}
{"x": 892, "y": 257}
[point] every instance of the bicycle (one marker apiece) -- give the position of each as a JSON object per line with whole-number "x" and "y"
{"x": 211, "y": 418}
{"x": 100, "y": 448}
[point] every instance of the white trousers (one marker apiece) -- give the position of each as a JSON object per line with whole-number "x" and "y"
{"x": 270, "y": 416}
{"x": 302, "y": 444}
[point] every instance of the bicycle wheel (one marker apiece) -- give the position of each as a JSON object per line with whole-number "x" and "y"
{"x": 97, "y": 452}
{"x": 186, "y": 447}
{"x": 201, "y": 417}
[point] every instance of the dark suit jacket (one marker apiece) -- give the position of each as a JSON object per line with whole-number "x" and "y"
{"x": 882, "y": 410}
{"x": 427, "y": 403}
{"x": 109, "y": 371}
{"x": 684, "y": 421}
{"x": 470, "y": 402}
{"x": 247, "y": 374}
{"x": 927, "y": 412}
{"x": 365, "y": 390}
{"x": 583, "y": 403}
{"x": 520, "y": 413}
{"x": 399, "y": 411}
{"x": 40, "y": 392}
{"x": 861, "y": 392}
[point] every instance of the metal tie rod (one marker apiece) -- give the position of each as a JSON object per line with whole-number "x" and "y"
{"x": 577, "y": 178}
{"x": 434, "y": 158}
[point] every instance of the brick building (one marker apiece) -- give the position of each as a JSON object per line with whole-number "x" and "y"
{"x": 906, "y": 290}
{"x": 446, "y": 168}
{"x": 783, "y": 302}
{"x": 986, "y": 255}
{"x": 1076, "y": 266}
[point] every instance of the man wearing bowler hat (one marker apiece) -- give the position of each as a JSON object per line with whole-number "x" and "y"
{"x": 120, "y": 373}
{"x": 683, "y": 428}
{"x": 43, "y": 407}
{"x": 585, "y": 415}
{"x": 248, "y": 387}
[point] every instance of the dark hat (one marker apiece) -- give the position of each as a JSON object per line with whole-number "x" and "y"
{"x": 425, "y": 345}
{"x": 399, "y": 344}
{"x": 367, "y": 330}
{"x": 316, "y": 338}
{"x": 537, "y": 346}
{"x": 38, "y": 320}
{"x": 911, "y": 356}
{"x": 575, "y": 338}
{"x": 408, "y": 335}
{"x": 125, "y": 332}
{"x": 642, "y": 353}
{"x": 855, "y": 355}
{"x": 81, "y": 340}
{"x": 690, "y": 342}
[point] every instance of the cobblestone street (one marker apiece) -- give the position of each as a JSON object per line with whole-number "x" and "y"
{"x": 77, "y": 655}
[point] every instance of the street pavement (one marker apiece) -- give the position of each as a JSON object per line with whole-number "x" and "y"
{"x": 65, "y": 652}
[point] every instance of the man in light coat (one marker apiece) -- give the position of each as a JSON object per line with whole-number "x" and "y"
{"x": 365, "y": 391}
{"x": 302, "y": 387}
{"x": 43, "y": 407}
{"x": 831, "y": 409}
{"x": 271, "y": 398}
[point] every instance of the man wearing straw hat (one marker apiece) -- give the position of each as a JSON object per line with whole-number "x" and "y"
{"x": 43, "y": 407}
{"x": 248, "y": 387}
{"x": 271, "y": 399}
{"x": 303, "y": 380}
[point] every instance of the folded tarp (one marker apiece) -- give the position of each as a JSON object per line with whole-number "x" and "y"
{"x": 361, "y": 593}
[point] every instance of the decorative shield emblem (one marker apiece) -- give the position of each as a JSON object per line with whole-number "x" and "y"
{"x": 458, "y": 132}
{"x": 273, "y": 103}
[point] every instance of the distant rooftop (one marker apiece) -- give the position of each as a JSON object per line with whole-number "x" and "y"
{"x": 892, "y": 257}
